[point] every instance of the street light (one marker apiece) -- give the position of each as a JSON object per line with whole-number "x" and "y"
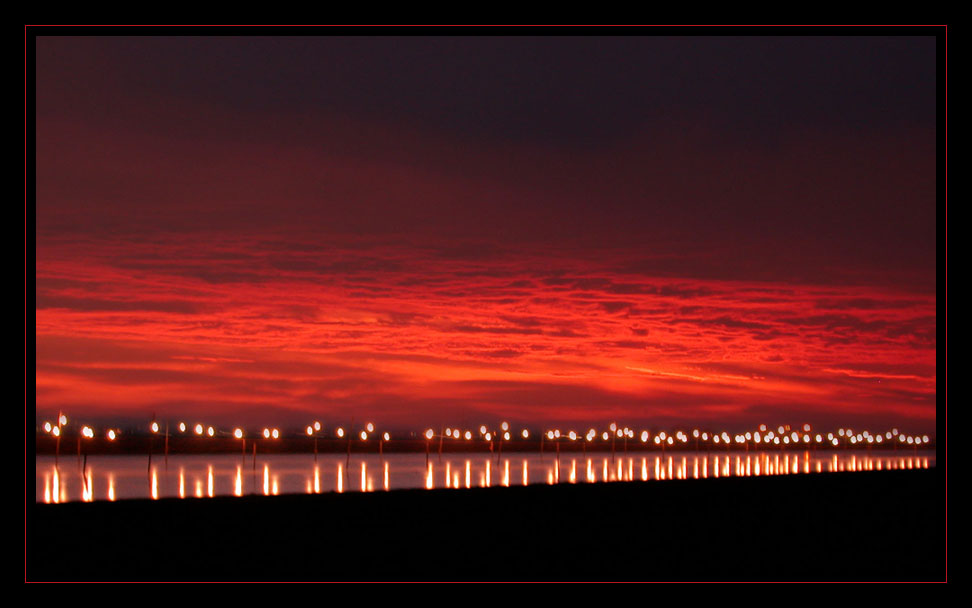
{"x": 238, "y": 433}
{"x": 312, "y": 431}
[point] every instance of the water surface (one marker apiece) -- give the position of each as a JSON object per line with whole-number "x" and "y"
{"x": 201, "y": 476}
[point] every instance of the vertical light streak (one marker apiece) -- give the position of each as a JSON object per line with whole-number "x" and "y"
{"x": 87, "y": 495}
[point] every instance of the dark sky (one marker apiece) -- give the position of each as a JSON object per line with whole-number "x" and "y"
{"x": 559, "y": 229}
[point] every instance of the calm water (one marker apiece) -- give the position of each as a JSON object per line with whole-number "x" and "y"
{"x": 186, "y": 476}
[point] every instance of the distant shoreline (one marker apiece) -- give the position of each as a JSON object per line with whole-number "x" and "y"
{"x": 189, "y": 444}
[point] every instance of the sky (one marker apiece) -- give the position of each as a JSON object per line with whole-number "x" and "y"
{"x": 661, "y": 231}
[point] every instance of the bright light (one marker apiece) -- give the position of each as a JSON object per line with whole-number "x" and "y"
{"x": 62, "y": 420}
{"x": 613, "y": 427}
{"x": 506, "y": 436}
{"x": 468, "y": 435}
{"x": 238, "y": 433}
{"x": 448, "y": 431}
{"x": 310, "y": 430}
{"x": 340, "y": 432}
{"x": 317, "y": 426}
{"x": 266, "y": 433}
{"x": 47, "y": 427}
{"x": 489, "y": 437}
{"x": 87, "y": 432}
{"x": 550, "y": 435}
{"x": 111, "y": 435}
{"x": 370, "y": 427}
{"x": 526, "y": 434}
{"x": 210, "y": 431}
{"x": 572, "y": 435}
{"x": 429, "y": 434}
{"x": 806, "y": 428}
{"x": 644, "y": 436}
{"x": 604, "y": 436}
{"x": 386, "y": 436}
{"x": 155, "y": 427}
{"x": 199, "y": 429}
{"x": 275, "y": 433}
{"x": 363, "y": 435}
{"x": 695, "y": 433}
{"x": 505, "y": 426}
{"x": 482, "y": 430}
{"x": 182, "y": 427}
{"x": 455, "y": 433}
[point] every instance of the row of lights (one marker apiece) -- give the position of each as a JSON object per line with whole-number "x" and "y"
{"x": 782, "y": 434}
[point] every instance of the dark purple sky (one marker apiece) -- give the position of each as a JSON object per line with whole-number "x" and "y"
{"x": 724, "y": 229}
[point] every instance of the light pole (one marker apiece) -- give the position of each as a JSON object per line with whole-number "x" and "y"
{"x": 312, "y": 431}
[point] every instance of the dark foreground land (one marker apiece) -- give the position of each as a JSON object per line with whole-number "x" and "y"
{"x": 887, "y": 525}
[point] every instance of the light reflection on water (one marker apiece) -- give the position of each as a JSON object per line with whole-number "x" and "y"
{"x": 121, "y": 477}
